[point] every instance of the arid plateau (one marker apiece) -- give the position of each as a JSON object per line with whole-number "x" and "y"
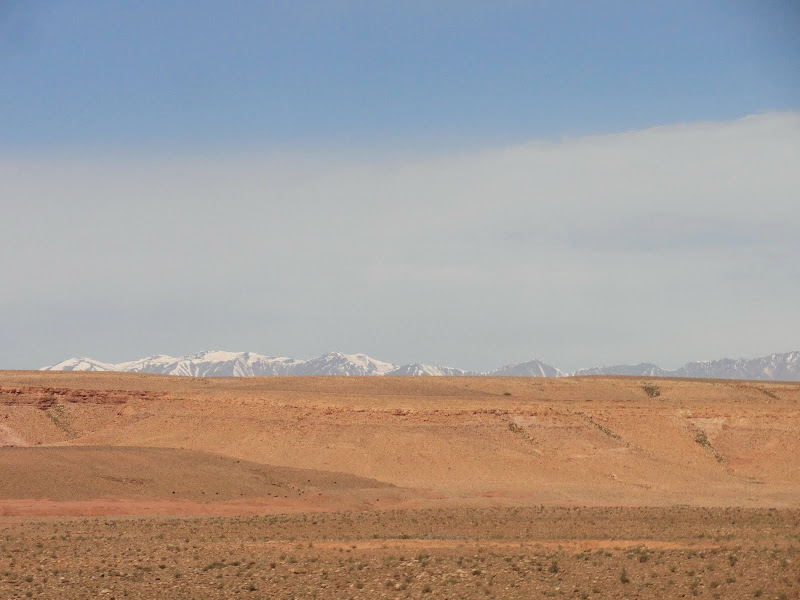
{"x": 120, "y": 485}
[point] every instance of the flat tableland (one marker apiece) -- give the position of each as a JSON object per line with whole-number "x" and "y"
{"x": 124, "y": 485}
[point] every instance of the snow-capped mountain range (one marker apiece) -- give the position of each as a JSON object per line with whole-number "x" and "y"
{"x": 775, "y": 367}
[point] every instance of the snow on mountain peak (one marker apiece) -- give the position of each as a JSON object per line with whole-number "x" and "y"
{"x": 418, "y": 369}
{"x": 339, "y": 363}
{"x": 80, "y": 364}
{"x": 533, "y": 368}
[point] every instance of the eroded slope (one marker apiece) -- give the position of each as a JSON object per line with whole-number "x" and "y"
{"x": 452, "y": 440}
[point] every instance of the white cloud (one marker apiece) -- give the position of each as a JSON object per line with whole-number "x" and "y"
{"x": 668, "y": 244}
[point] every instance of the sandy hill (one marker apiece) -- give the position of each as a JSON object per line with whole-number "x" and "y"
{"x": 440, "y": 441}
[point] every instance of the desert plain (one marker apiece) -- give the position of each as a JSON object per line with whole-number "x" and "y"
{"x": 141, "y": 486}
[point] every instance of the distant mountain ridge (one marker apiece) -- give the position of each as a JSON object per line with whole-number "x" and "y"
{"x": 775, "y": 367}
{"x": 216, "y": 363}
{"x": 533, "y": 368}
{"x": 641, "y": 370}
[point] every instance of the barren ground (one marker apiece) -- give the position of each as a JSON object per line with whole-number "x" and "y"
{"x": 148, "y": 486}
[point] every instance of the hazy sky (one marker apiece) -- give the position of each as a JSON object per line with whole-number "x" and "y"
{"x": 464, "y": 183}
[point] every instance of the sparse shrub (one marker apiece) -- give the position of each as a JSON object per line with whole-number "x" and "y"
{"x": 651, "y": 390}
{"x": 514, "y": 428}
{"x": 553, "y": 567}
{"x": 702, "y": 439}
{"x": 768, "y": 393}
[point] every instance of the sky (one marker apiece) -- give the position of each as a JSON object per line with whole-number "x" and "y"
{"x": 460, "y": 183}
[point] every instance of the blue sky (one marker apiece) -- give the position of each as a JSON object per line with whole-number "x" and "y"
{"x": 440, "y": 74}
{"x": 460, "y": 183}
